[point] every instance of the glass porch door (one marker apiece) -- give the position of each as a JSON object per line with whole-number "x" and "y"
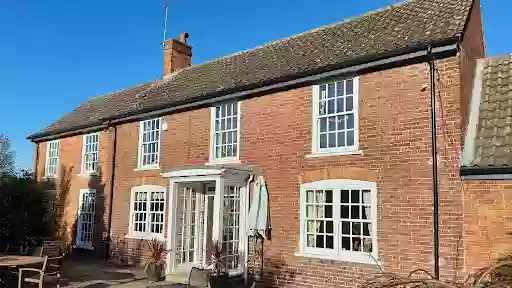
{"x": 188, "y": 244}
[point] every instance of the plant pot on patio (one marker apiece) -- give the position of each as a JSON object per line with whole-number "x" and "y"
{"x": 154, "y": 272}
{"x": 155, "y": 263}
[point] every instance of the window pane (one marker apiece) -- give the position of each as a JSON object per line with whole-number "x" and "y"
{"x": 323, "y": 124}
{"x": 319, "y": 196}
{"x": 356, "y": 228}
{"x": 366, "y": 196}
{"x": 332, "y": 123}
{"x": 340, "y": 88}
{"x": 329, "y": 241}
{"x": 344, "y": 196}
{"x": 330, "y": 91}
{"x": 223, "y": 111}
{"x": 349, "y": 86}
{"x": 235, "y": 108}
{"x": 350, "y": 138}
{"x": 345, "y": 227}
{"x": 356, "y": 244}
{"x": 228, "y": 110}
{"x": 310, "y": 226}
{"x": 329, "y": 227}
{"x": 341, "y": 139}
{"x": 320, "y": 241}
{"x": 341, "y": 122}
{"x": 354, "y": 196}
{"x": 367, "y": 228}
{"x": 323, "y": 140}
{"x": 344, "y": 211}
{"x": 345, "y": 243}
{"x": 332, "y": 139}
{"x": 328, "y": 196}
{"x": 340, "y": 104}
{"x": 354, "y": 212}
{"x": 310, "y": 240}
{"x": 328, "y": 211}
{"x": 322, "y": 108}
{"x": 323, "y": 93}
{"x": 330, "y": 106}
{"x": 350, "y": 103}
{"x": 310, "y": 196}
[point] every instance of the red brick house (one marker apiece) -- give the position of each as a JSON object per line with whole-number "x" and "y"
{"x": 336, "y": 119}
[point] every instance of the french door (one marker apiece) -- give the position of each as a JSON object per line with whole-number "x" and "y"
{"x": 196, "y": 223}
{"x": 85, "y": 218}
{"x": 188, "y": 240}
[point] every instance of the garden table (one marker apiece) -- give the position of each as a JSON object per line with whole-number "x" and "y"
{"x": 19, "y": 260}
{"x": 7, "y": 261}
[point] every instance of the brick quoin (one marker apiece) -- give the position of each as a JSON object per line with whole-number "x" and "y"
{"x": 276, "y": 130}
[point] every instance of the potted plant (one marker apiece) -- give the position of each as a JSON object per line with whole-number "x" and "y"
{"x": 219, "y": 275}
{"x": 155, "y": 261}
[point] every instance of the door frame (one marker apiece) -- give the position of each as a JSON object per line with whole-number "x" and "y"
{"x": 79, "y": 244}
{"x": 199, "y": 191}
{"x": 220, "y": 175}
{"x": 206, "y": 195}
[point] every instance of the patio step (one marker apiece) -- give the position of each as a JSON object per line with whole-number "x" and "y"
{"x": 177, "y": 277}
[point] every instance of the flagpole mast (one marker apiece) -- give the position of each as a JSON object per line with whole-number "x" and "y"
{"x": 166, "y": 5}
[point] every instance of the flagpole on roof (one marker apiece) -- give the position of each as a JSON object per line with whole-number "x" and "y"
{"x": 166, "y": 7}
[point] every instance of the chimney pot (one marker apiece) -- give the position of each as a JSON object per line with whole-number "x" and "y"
{"x": 184, "y": 37}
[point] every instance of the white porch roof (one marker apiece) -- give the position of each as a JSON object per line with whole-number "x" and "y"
{"x": 210, "y": 170}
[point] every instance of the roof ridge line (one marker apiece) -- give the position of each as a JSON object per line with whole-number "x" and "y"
{"x": 119, "y": 90}
{"x": 369, "y": 13}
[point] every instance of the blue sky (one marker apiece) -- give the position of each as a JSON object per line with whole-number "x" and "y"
{"x": 56, "y": 54}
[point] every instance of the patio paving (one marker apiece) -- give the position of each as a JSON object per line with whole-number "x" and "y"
{"x": 101, "y": 274}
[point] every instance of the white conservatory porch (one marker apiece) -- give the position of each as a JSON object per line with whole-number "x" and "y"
{"x": 207, "y": 205}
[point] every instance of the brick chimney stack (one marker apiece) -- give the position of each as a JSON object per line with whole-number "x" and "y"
{"x": 177, "y": 54}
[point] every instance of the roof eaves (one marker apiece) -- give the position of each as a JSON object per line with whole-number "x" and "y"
{"x": 418, "y": 46}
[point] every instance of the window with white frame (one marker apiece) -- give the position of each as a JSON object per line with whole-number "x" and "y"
{"x": 52, "y": 158}
{"x": 225, "y": 132}
{"x": 335, "y": 123}
{"x": 149, "y": 139}
{"x": 90, "y": 153}
{"x": 147, "y": 211}
{"x": 338, "y": 220}
{"x": 231, "y": 226}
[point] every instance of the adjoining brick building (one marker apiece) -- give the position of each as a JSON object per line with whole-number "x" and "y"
{"x": 336, "y": 119}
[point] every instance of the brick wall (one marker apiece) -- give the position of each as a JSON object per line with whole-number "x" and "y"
{"x": 276, "y": 130}
{"x": 487, "y": 222}
{"x": 395, "y": 140}
{"x": 276, "y": 136}
{"x": 70, "y": 181}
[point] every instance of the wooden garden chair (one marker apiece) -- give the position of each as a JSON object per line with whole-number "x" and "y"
{"x": 32, "y": 275}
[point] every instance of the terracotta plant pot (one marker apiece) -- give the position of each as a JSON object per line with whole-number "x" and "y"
{"x": 154, "y": 272}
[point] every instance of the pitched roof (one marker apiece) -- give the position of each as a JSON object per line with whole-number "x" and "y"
{"x": 489, "y": 140}
{"x": 370, "y": 36}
